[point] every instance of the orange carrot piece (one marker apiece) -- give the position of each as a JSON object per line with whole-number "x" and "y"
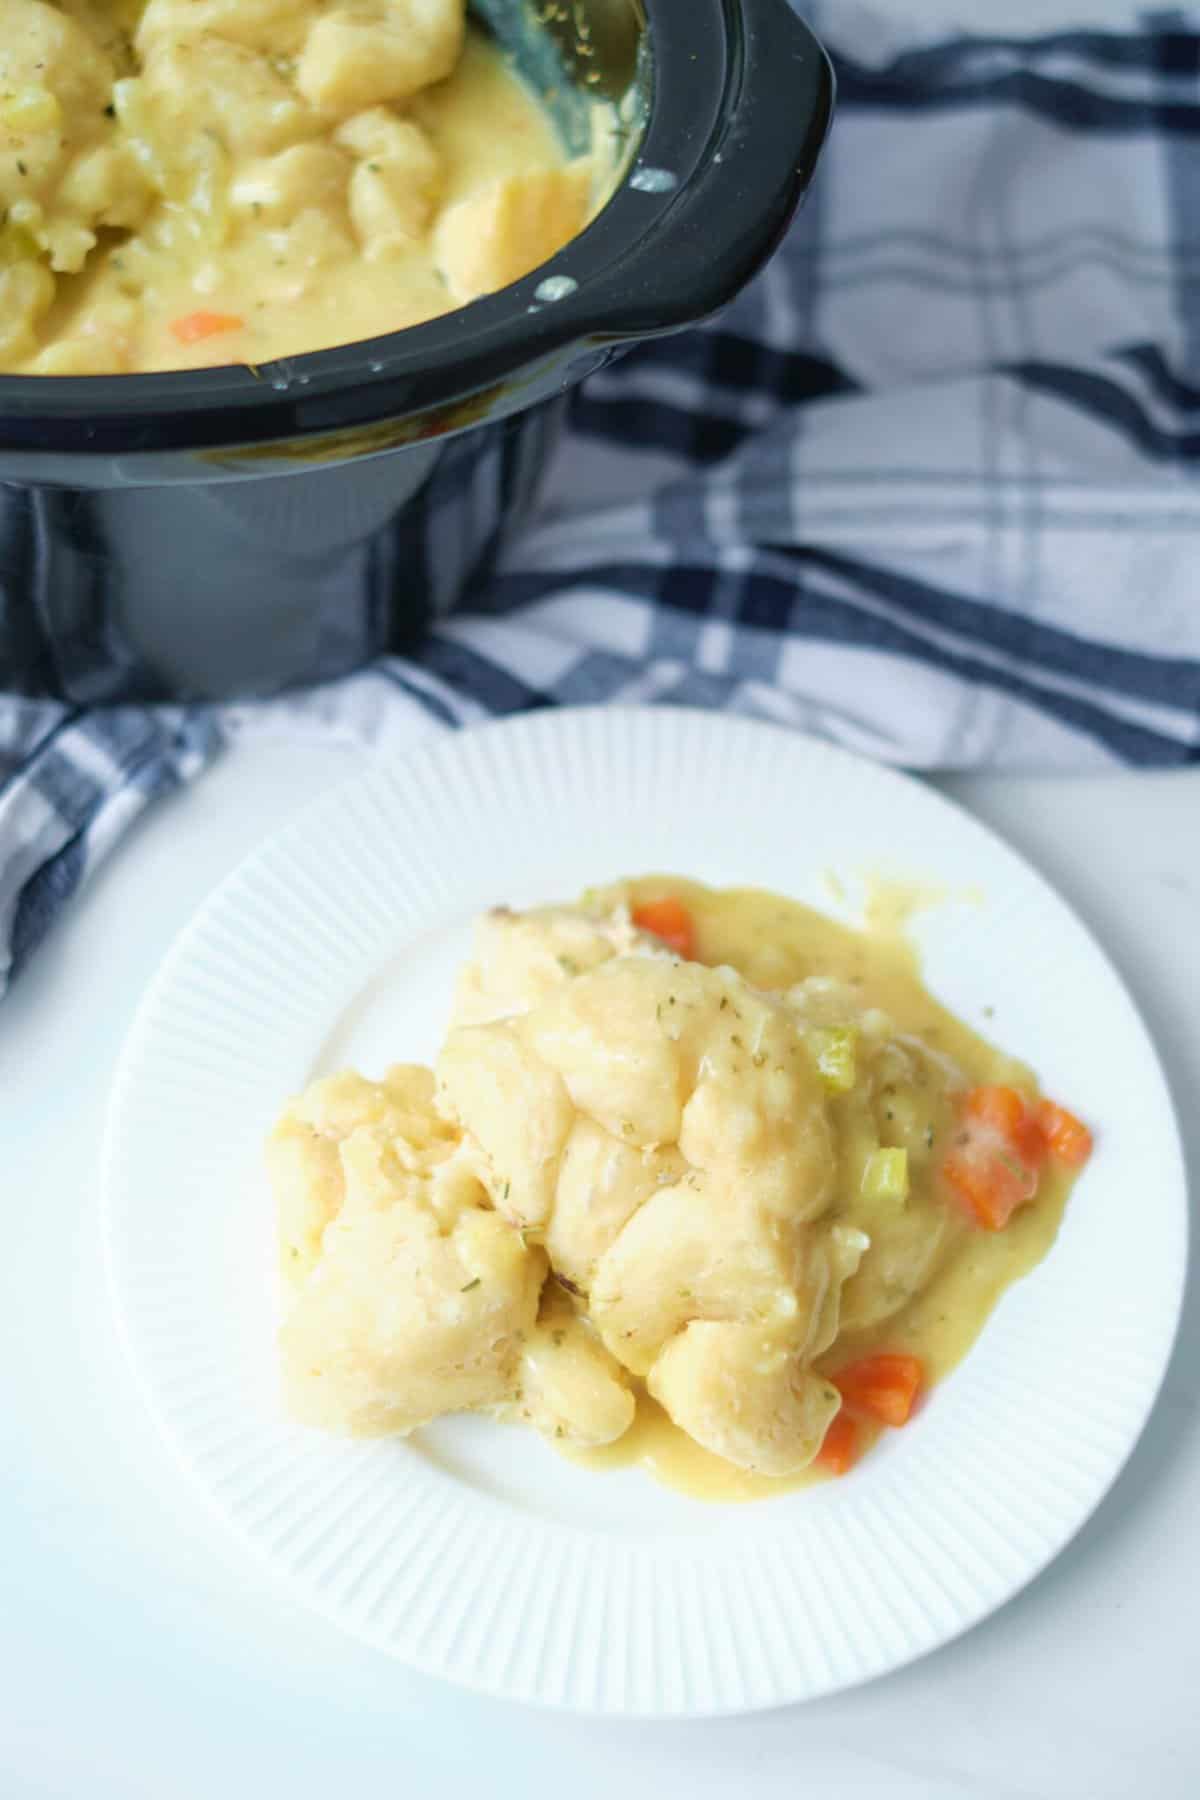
{"x": 194, "y": 327}
{"x": 1067, "y": 1138}
{"x": 884, "y": 1386}
{"x": 670, "y": 920}
{"x": 990, "y": 1184}
{"x": 1008, "y": 1114}
{"x": 1002, "y": 1107}
{"x": 839, "y": 1447}
{"x": 993, "y": 1166}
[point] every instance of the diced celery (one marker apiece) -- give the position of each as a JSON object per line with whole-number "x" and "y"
{"x": 835, "y": 1052}
{"x": 885, "y": 1176}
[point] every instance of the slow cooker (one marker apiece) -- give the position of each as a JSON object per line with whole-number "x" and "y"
{"x": 229, "y": 531}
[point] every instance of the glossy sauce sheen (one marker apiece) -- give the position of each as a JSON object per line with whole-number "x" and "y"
{"x": 775, "y": 943}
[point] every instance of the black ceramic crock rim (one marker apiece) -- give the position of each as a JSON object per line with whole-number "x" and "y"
{"x": 739, "y": 127}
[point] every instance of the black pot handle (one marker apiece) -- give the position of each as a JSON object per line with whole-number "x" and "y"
{"x": 708, "y": 239}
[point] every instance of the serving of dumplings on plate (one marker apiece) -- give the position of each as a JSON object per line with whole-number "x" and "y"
{"x": 600, "y": 1218}
{"x": 705, "y": 1162}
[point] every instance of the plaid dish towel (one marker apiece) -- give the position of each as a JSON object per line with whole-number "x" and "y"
{"x": 930, "y": 487}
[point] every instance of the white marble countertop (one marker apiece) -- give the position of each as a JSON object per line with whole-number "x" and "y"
{"x": 142, "y": 1653}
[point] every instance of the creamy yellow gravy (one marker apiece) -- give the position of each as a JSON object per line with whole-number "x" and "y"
{"x": 775, "y": 942}
{"x": 163, "y": 162}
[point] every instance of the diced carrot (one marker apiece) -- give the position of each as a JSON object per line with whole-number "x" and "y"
{"x": 196, "y": 326}
{"x": 885, "y": 1386}
{"x": 670, "y": 920}
{"x": 999, "y": 1106}
{"x": 1008, "y": 1114}
{"x": 839, "y": 1447}
{"x": 989, "y": 1183}
{"x": 993, "y": 1165}
{"x": 1067, "y": 1138}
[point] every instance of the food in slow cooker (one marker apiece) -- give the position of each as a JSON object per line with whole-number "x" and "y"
{"x": 702, "y": 1176}
{"x": 211, "y": 181}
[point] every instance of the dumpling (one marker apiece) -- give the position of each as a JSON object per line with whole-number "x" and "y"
{"x": 402, "y": 1319}
{"x": 303, "y": 1152}
{"x": 745, "y": 1397}
{"x": 516, "y": 1110}
{"x": 357, "y": 55}
{"x": 568, "y": 1386}
{"x": 519, "y": 958}
{"x": 511, "y": 226}
{"x": 602, "y": 1182}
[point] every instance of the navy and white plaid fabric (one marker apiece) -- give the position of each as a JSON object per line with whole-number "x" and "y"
{"x": 929, "y": 488}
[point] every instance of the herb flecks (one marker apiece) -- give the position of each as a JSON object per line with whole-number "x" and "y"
{"x": 470, "y": 1285}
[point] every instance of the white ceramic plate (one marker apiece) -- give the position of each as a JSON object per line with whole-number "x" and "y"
{"x": 472, "y": 1550}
